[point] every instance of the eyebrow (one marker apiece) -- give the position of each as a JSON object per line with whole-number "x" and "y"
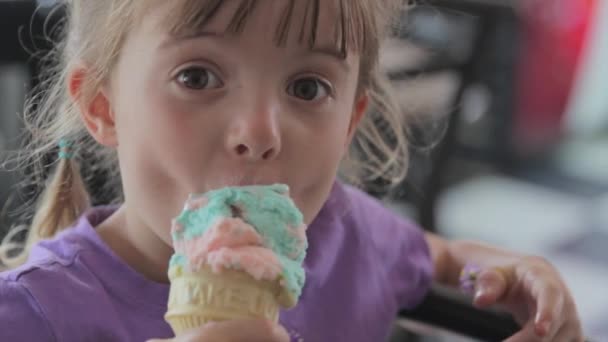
{"x": 177, "y": 38}
{"x": 327, "y": 51}
{"x": 331, "y": 52}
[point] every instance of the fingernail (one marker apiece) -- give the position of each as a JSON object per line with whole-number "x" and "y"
{"x": 544, "y": 328}
{"x": 484, "y": 290}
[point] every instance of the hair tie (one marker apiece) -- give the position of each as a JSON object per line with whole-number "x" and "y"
{"x": 66, "y": 149}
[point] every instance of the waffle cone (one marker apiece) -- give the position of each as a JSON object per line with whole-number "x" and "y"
{"x": 204, "y": 296}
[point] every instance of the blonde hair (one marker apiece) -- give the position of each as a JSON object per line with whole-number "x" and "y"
{"x": 379, "y": 150}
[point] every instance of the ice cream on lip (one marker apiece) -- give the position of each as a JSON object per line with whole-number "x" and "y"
{"x": 256, "y": 229}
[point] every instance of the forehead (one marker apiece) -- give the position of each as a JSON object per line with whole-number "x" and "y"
{"x": 310, "y": 23}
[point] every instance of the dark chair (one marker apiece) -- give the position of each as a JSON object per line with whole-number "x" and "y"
{"x": 477, "y": 41}
{"x": 15, "y": 77}
{"x": 449, "y": 310}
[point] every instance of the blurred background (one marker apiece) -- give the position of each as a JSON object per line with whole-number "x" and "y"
{"x": 515, "y": 94}
{"x": 508, "y": 105}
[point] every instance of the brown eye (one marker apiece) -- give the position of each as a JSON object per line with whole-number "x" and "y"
{"x": 308, "y": 89}
{"x": 198, "y": 78}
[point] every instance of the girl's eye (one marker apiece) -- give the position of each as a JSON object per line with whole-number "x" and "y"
{"x": 309, "y": 89}
{"x": 198, "y": 78}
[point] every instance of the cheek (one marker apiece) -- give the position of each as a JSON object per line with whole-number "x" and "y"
{"x": 318, "y": 146}
{"x": 338, "y": 134}
{"x": 155, "y": 132}
{"x": 319, "y": 153}
{"x": 161, "y": 121}
{"x": 329, "y": 137}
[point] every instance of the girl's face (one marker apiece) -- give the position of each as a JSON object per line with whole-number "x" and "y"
{"x": 199, "y": 112}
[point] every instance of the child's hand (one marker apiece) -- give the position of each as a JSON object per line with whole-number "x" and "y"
{"x": 234, "y": 331}
{"x": 533, "y": 291}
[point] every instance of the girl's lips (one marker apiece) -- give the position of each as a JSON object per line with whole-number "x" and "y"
{"x": 244, "y": 175}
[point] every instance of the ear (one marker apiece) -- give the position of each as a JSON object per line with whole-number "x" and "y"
{"x": 359, "y": 110}
{"x": 96, "y": 111}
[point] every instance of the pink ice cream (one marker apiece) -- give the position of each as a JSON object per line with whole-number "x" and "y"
{"x": 231, "y": 243}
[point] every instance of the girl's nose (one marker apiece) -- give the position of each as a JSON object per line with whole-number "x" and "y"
{"x": 255, "y": 136}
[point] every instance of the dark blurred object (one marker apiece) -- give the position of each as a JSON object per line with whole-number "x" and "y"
{"x": 25, "y": 29}
{"x": 450, "y": 310}
{"x": 25, "y": 36}
{"x": 515, "y": 62}
{"x": 15, "y": 76}
{"x": 14, "y": 17}
{"x": 478, "y": 42}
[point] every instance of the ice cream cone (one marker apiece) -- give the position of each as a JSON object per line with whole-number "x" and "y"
{"x": 238, "y": 255}
{"x": 205, "y": 296}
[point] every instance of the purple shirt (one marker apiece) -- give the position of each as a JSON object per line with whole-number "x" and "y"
{"x": 364, "y": 263}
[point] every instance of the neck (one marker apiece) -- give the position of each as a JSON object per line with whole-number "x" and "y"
{"x": 136, "y": 244}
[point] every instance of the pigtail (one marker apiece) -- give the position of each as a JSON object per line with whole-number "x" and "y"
{"x": 64, "y": 199}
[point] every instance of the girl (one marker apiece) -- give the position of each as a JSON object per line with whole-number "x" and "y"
{"x": 189, "y": 95}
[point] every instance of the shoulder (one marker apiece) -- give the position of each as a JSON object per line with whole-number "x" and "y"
{"x": 43, "y": 297}
{"x": 53, "y": 281}
{"x": 356, "y": 207}
{"x": 47, "y": 293}
{"x": 51, "y": 271}
{"x": 365, "y": 221}
{"x": 396, "y": 245}
{"x": 22, "y": 318}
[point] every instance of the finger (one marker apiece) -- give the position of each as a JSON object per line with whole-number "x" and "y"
{"x": 234, "y": 330}
{"x": 570, "y": 329}
{"x": 549, "y": 307}
{"x": 567, "y": 333}
{"x": 161, "y": 340}
{"x": 490, "y": 286}
{"x": 526, "y": 334}
{"x": 241, "y": 330}
{"x": 549, "y": 302}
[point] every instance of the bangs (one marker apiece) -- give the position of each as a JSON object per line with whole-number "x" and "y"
{"x": 355, "y": 21}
